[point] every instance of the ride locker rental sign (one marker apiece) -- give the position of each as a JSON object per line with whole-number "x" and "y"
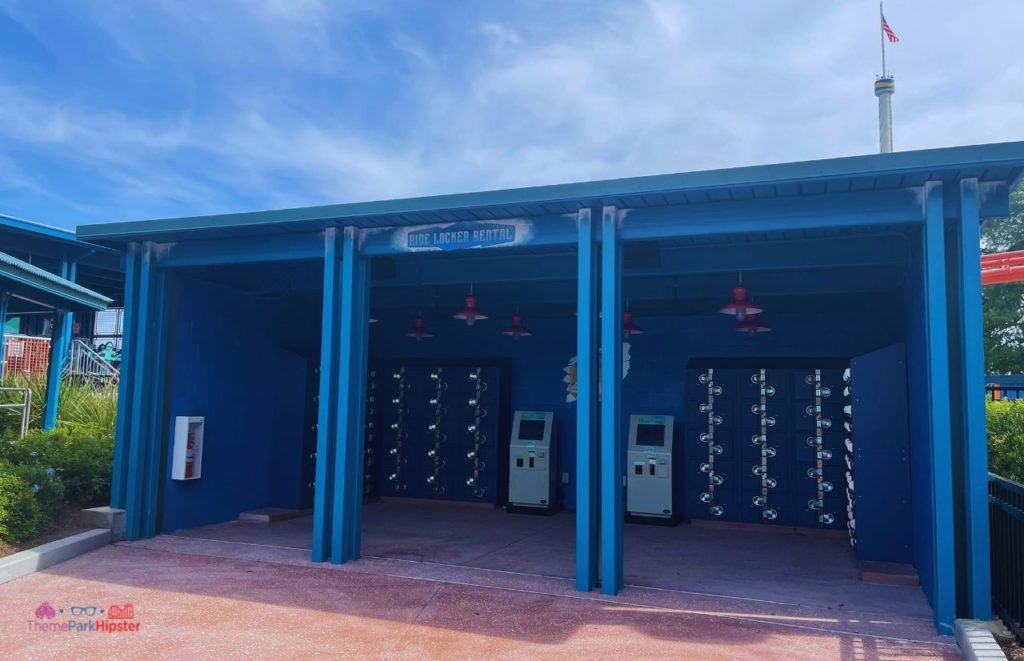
{"x": 461, "y": 235}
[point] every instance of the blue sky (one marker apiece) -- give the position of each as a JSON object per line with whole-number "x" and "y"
{"x": 130, "y": 110}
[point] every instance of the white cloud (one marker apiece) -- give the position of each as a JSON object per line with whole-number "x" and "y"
{"x": 296, "y": 103}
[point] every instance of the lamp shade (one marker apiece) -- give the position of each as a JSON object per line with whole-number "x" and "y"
{"x": 419, "y": 329}
{"x": 752, "y": 326}
{"x": 740, "y": 306}
{"x": 629, "y": 327}
{"x": 469, "y": 313}
{"x": 516, "y": 329}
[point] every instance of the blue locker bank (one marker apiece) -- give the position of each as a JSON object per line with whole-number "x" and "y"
{"x": 793, "y": 345}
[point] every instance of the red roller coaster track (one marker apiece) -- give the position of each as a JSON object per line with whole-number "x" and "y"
{"x": 1002, "y": 267}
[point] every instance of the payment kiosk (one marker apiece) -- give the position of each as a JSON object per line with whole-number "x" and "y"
{"x": 649, "y": 467}
{"x": 532, "y": 465}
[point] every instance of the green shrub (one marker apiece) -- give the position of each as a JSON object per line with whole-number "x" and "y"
{"x": 1006, "y": 439}
{"x": 20, "y": 513}
{"x": 81, "y": 462}
{"x": 45, "y": 484}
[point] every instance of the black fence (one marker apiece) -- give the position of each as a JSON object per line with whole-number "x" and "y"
{"x": 996, "y": 392}
{"x": 1006, "y": 511}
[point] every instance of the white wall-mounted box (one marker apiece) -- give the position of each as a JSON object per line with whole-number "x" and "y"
{"x": 187, "y": 463}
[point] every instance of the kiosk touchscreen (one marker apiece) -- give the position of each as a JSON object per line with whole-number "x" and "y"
{"x": 532, "y": 465}
{"x": 649, "y": 466}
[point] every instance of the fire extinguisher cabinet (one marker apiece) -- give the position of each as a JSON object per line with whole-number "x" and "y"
{"x": 187, "y": 463}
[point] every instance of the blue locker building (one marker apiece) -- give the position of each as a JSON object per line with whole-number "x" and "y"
{"x": 317, "y": 357}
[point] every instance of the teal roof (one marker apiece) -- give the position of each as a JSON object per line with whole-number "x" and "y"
{"x": 33, "y": 284}
{"x": 998, "y": 163}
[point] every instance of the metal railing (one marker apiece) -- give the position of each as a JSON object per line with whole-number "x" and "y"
{"x": 85, "y": 362}
{"x": 996, "y": 392}
{"x": 1006, "y": 514}
{"x": 25, "y": 405}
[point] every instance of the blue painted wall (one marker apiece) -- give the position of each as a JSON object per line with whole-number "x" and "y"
{"x": 228, "y": 368}
{"x": 882, "y": 456}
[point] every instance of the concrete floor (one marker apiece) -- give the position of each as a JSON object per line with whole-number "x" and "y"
{"x": 447, "y": 580}
{"x": 749, "y": 562}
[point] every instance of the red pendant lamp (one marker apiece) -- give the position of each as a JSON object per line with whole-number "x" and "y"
{"x": 740, "y": 306}
{"x": 752, "y": 326}
{"x": 419, "y": 329}
{"x": 629, "y": 327}
{"x": 517, "y": 330}
{"x": 469, "y": 313}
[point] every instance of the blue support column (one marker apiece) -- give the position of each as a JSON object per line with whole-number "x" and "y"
{"x": 612, "y": 506}
{"x": 156, "y": 389}
{"x": 586, "y": 405}
{"x": 359, "y": 373}
{"x": 936, "y": 332}
{"x": 326, "y": 401}
{"x": 347, "y": 467}
{"x": 119, "y": 477}
{"x": 60, "y": 338}
{"x": 137, "y": 437}
{"x": 5, "y": 299}
{"x": 974, "y": 435}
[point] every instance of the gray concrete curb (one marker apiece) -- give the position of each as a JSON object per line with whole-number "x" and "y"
{"x": 977, "y": 642}
{"x": 47, "y": 555}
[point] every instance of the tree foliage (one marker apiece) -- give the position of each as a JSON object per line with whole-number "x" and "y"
{"x": 1003, "y": 304}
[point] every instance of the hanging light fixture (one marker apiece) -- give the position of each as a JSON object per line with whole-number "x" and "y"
{"x": 469, "y": 313}
{"x": 629, "y": 327}
{"x": 752, "y": 326}
{"x": 517, "y": 330}
{"x": 419, "y": 329}
{"x": 740, "y": 306}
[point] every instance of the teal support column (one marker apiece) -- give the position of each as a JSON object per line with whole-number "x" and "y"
{"x": 119, "y": 477}
{"x": 936, "y": 333}
{"x": 156, "y": 388}
{"x": 137, "y": 438}
{"x": 361, "y": 331}
{"x": 973, "y": 434}
{"x": 69, "y": 319}
{"x": 60, "y": 339}
{"x": 327, "y": 400}
{"x": 612, "y": 506}
{"x": 5, "y": 299}
{"x": 586, "y": 404}
{"x": 348, "y": 468}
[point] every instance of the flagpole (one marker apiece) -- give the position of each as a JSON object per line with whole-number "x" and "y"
{"x": 881, "y": 33}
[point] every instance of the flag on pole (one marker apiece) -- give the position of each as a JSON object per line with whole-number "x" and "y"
{"x": 890, "y": 35}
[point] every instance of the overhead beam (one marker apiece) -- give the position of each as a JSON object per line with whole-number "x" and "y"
{"x": 243, "y": 250}
{"x": 831, "y": 210}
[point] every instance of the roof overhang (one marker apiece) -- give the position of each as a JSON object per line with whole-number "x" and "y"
{"x": 995, "y": 165}
{"x": 44, "y": 289}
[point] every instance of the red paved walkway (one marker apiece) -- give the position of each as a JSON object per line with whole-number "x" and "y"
{"x": 198, "y": 606}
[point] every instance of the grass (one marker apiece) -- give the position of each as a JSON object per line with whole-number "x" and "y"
{"x": 83, "y": 407}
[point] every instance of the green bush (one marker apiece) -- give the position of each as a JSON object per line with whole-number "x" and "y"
{"x": 81, "y": 462}
{"x": 46, "y": 485}
{"x": 1006, "y": 439}
{"x": 20, "y": 513}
